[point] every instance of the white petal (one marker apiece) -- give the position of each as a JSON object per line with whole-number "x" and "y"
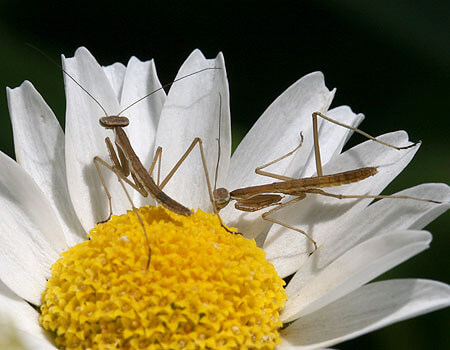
{"x": 140, "y": 80}
{"x": 385, "y": 216}
{"x": 28, "y": 341}
{"x": 18, "y": 312}
{"x": 31, "y": 236}
{"x": 319, "y": 216}
{"x": 275, "y": 133}
{"x": 350, "y": 271}
{"x": 116, "y": 75}
{"x": 369, "y": 308}
{"x": 21, "y": 266}
{"x": 379, "y": 218}
{"x": 39, "y": 146}
{"x": 331, "y": 138}
{"x": 331, "y": 141}
{"x": 192, "y": 110}
{"x": 20, "y": 194}
{"x": 85, "y": 139}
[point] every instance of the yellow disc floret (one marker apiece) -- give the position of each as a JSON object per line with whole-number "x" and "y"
{"x": 205, "y": 288}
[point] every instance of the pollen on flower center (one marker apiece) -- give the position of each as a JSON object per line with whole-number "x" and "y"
{"x": 205, "y": 288}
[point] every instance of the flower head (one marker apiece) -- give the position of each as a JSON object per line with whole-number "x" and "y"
{"x": 52, "y": 196}
{"x": 204, "y": 287}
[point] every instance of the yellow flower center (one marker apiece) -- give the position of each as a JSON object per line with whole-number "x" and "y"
{"x": 204, "y": 289}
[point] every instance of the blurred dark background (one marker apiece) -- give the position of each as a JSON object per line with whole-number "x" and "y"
{"x": 389, "y": 61}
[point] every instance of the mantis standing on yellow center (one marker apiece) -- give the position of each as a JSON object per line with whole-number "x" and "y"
{"x": 126, "y": 162}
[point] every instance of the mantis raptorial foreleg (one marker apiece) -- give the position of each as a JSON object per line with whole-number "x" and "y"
{"x": 197, "y": 141}
{"x": 158, "y": 155}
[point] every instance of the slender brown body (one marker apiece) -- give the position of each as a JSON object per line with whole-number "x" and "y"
{"x": 143, "y": 181}
{"x": 254, "y": 198}
{"x": 146, "y": 180}
{"x": 126, "y": 158}
{"x": 296, "y": 186}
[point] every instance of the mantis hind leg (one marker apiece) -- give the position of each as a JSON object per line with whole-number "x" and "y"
{"x": 316, "y": 138}
{"x": 359, "y": 196}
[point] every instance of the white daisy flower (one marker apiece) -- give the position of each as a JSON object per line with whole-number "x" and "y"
{"x": 51, "y": 197}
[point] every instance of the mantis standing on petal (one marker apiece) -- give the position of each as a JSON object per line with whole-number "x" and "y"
{"x": 255, "y": 198}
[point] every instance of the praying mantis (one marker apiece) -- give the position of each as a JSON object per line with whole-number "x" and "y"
{"x": 125, "y": 161}
{"x": 255, "y": 198}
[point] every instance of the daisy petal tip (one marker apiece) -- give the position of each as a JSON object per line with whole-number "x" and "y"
{"x": 317, "y": 77}
{"x": 317, "y": 80}
{"x": 136, "y": 60}
{"x": 26, "y": 84}
{"x": 347, "y": 109}
{"x": 445, "y": 190}
{"x": 152, "y": 65}
{"x": 221, "y": 59}
{"x": 81, "y": 54}
{"x": 435, "y": 292}
{"x": 318, "y": 74}
{"x": 9, "y": 90}
{"x": 428, "y": 238}
{"x": 197, "y": 54}
{"x": 82, "y": 50}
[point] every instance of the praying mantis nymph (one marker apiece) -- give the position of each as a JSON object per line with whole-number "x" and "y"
{"x": 125, "y": 161}
{"x": 255, "y": 198}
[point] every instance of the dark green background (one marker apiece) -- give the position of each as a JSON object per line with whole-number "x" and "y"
{"x": 389, "y": 61}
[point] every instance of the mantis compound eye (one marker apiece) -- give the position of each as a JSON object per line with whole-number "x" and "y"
{"x": 221, "y": 198}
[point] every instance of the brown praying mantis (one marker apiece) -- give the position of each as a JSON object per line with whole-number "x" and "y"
{"x": 125, "y": 161}
{"x": 255, "y": 198}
